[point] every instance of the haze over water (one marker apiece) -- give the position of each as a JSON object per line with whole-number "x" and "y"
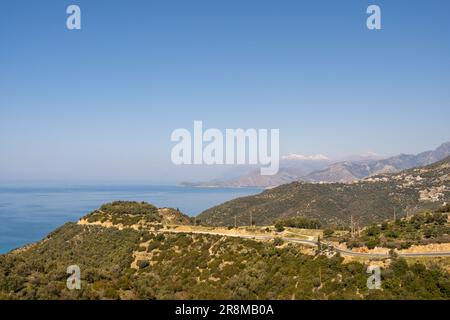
{"x": 29, "y": 213}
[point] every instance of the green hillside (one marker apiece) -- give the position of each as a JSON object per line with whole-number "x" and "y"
{"x": 418, "y": 229}
{"x": 128, "y": 213}
{"x": 371, "y": 200}
{"x": 187, "y": 266}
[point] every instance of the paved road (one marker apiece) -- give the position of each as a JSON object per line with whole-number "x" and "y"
{"x": 373, "y": 255}
{"x": 313, "y": 243}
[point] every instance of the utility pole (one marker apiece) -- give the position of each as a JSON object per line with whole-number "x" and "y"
{"x": 357, "y": 227}
{"x": 251, "y": 219}
{"x": 320, "y": 276}
{"x": 409, "y": 211}
{"x": 235, "y": 221}
{"x": 351, "y": 226}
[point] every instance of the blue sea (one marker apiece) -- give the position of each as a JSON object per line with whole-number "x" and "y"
{"x": 29, "y": 213}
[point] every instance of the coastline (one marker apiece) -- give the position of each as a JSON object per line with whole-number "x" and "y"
{"x": 28, "y": 212}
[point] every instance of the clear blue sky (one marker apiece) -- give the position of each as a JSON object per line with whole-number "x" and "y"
{"x": 100, "y": 103}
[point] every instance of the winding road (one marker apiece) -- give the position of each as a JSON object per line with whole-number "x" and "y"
{"x": 313, "y": 243}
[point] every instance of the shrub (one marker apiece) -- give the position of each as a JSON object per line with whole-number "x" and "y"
{"x": 373, "y": 230}
{"x": 142, "y": 264}
{"x": 445, "y": 208}
{"x": 372, "y": 243}
{"x": 328, "y": 232}
{"x": 111, "y": 293}
{"x": 279, "y": 227}
{"x": 160, "y": 237}
{"x": 301, "y": 222}
{"x": 405, "y": 245}
{"x": 278, "y": 242}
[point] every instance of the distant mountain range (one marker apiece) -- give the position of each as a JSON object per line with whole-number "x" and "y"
{"x": 319, "y": 168}
{"x": 348, "y": 171}
{"x": 292, "y": 167}
{"x": 373, "y": 199}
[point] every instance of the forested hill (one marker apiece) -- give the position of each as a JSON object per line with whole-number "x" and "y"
{"x": 371, "y": 200}
{"x": 125, "y": 263}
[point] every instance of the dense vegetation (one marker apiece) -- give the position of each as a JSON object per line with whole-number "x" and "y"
{"x": 298, "y": 222}
{"x": 129, "y": 213}
{"x": 129, "y": 207}
{"x": 419, "y": 229}
{"x": 103, "y": 254}
{"x": 186, "y": 266}
{"x": 125, "y": 212}
{"x": 369, "y": 201}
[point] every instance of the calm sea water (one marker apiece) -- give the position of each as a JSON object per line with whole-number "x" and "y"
{"x": 28, "y": 213}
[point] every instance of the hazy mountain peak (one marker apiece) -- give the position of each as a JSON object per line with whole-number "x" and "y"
{"x": 359, "y": 168}
{"x": 319, "y": 168}
{"x": 364, "y": 156}
{"x": 294, "y": 156}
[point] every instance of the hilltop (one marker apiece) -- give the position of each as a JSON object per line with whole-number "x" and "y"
{"x": 334, "y": 204}
{"x": 134, "y": 214}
